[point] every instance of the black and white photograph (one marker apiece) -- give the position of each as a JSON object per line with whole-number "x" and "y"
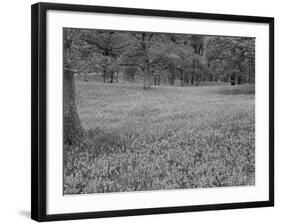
{"x": 145, "y": 111}
{"x": 142, "y": 111}
{"x": 139, "y": 112}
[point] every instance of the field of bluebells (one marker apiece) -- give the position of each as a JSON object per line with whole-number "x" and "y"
{"x": 162, "y": 138}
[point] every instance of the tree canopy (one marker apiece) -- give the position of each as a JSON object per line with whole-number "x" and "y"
{"x": 151, "y": 57}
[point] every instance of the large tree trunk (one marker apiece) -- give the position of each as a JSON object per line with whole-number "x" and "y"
{"x": 73, "y": 130}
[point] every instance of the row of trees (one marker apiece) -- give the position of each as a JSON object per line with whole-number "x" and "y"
{"x": 192, "y": 59}
{"x": 151, "y": 56}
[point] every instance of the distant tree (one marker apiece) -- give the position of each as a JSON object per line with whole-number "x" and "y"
{"x": 109, "y": 45}
{"x": 180, "y": 56}
{"x": 232, "y": 57}
{"x": 197, "y": 43}
{"x": 87, "y": 63}
{"x": 144, "y": 51}
{"x": 130, "y": 72}
{"x": 191, "y": 58}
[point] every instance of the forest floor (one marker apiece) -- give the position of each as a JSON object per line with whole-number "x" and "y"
{"x": 162, "y": 138}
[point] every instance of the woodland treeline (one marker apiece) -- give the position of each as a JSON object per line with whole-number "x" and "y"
{"x": 156, "y": 57}
{"x": 150, "y": 58}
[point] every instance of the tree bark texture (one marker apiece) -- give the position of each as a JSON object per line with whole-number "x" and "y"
{"x": 73, "y": 131}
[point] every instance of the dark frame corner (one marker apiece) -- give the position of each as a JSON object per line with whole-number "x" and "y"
{"x": 38, "y": 110}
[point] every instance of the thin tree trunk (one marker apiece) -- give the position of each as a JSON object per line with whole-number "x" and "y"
{"x": 194, "y": 71}
{"x": 146, "y": 80}
{"x": 253, "y": 71}
{"x": 172, "y": 81}
{"x": 86, "y": 77}
{"x": 182, "y": 77}
{"x": 111, "y": 76}
{"x": 187, "y": 79}
{"x": 104, "y": 74}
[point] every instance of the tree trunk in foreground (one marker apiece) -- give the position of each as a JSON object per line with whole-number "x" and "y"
{"x": 73, "y": 131}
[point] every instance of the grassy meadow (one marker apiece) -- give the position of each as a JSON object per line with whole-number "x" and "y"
{"x": 162, "y": 138}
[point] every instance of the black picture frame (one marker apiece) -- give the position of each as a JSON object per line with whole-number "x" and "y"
{"x": 39, "y": 122}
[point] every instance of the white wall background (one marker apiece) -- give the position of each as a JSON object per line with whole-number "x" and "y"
{"x": 15, "y": 110}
